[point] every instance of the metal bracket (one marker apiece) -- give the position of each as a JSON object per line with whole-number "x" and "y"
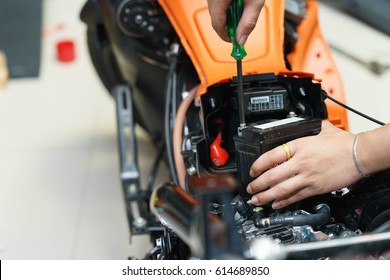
{"x": 135, "y": 198}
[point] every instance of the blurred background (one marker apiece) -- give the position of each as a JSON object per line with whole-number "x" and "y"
{"x": 60, "y": 193}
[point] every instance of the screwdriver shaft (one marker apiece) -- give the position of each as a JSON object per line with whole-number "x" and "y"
{"x": 240, "y": 92}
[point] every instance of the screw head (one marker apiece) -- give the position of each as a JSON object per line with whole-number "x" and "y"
{"x": 139, "y": 222}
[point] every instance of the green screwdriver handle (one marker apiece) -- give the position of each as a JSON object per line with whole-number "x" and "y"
{"x": 234, "y": 14}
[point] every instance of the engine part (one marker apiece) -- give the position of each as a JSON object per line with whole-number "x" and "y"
{"x": 299, "y": 218}
{"x": 180, "y": 212}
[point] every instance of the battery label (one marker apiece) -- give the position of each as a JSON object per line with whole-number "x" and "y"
{"x": 279, "y": 122}
{"x": 266, "y": 103}
{"x": 259, "y": 99}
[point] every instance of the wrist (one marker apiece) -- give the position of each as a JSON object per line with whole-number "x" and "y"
{"x": 361, "y": 160}
{"x": 370, "y": 152}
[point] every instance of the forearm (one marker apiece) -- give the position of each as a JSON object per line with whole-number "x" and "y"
{"x": 373, "y": 150}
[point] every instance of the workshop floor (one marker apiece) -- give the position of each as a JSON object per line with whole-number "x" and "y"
{"x": 60, "y": 195}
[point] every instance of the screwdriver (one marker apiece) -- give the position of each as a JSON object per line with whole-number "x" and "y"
{"x": 234, "y": 14}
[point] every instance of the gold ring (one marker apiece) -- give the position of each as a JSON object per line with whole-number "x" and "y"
{"x": 287, "y": 150}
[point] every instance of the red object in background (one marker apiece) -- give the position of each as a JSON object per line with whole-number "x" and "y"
{"x": 65, "y": 51}
{"x": 218, "y": 155}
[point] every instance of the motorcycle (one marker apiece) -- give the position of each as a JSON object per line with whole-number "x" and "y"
{"x": 172, "y": 75}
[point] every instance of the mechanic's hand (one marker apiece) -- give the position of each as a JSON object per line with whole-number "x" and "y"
{"x": 318, "y": 164}
{"x": 218, "y": 13}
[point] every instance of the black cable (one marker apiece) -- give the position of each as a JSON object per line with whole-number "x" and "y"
{"x": 168, "y": 114}
{"x": 173, "y": 114}
{"x": 352, "y": 110}
{"x": 174, "y": 95}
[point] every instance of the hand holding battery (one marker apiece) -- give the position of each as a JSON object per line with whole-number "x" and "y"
{"x": 319, "y": 164}
{"x": 302, "y": 174}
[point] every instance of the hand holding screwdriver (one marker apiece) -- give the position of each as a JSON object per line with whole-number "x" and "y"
{"x": 218, "y": 12}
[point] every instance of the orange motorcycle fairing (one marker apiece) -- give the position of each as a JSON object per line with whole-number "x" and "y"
{"x": 313, "y": 55}
{"x": 211, "y": 56}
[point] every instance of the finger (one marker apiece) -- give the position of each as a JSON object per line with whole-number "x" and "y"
{"x": 218, "y": 12}
{"x": 298, "y": 196}
{"x": 271, "y": 159}
{"x": 272, "y": 177}
{"x": 281, "y": 191}
{"x": 249, "y": 19}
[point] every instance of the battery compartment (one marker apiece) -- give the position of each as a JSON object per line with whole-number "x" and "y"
{"x": 266, "y": 98}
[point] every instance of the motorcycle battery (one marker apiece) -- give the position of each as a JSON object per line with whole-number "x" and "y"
{"x": 255, "y": 140}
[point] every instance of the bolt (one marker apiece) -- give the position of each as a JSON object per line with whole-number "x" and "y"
{"x": 138, "y": 19}
{"x": 139, "y": 222}
{"x": 150, "y": 28}
{"x": 302, "y": 91}
{"x": 212, "y": 103}
{"x": 191, "y": 170}
{"x": 132, "y": 189}
{"x": 292, "y": 114}
{"x": 126, "y": 117}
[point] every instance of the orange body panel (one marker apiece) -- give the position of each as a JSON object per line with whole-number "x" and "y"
{"x": 213, "y": 63}
{"x": 211, "y": 55}
{"x": 312, "y": 54}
